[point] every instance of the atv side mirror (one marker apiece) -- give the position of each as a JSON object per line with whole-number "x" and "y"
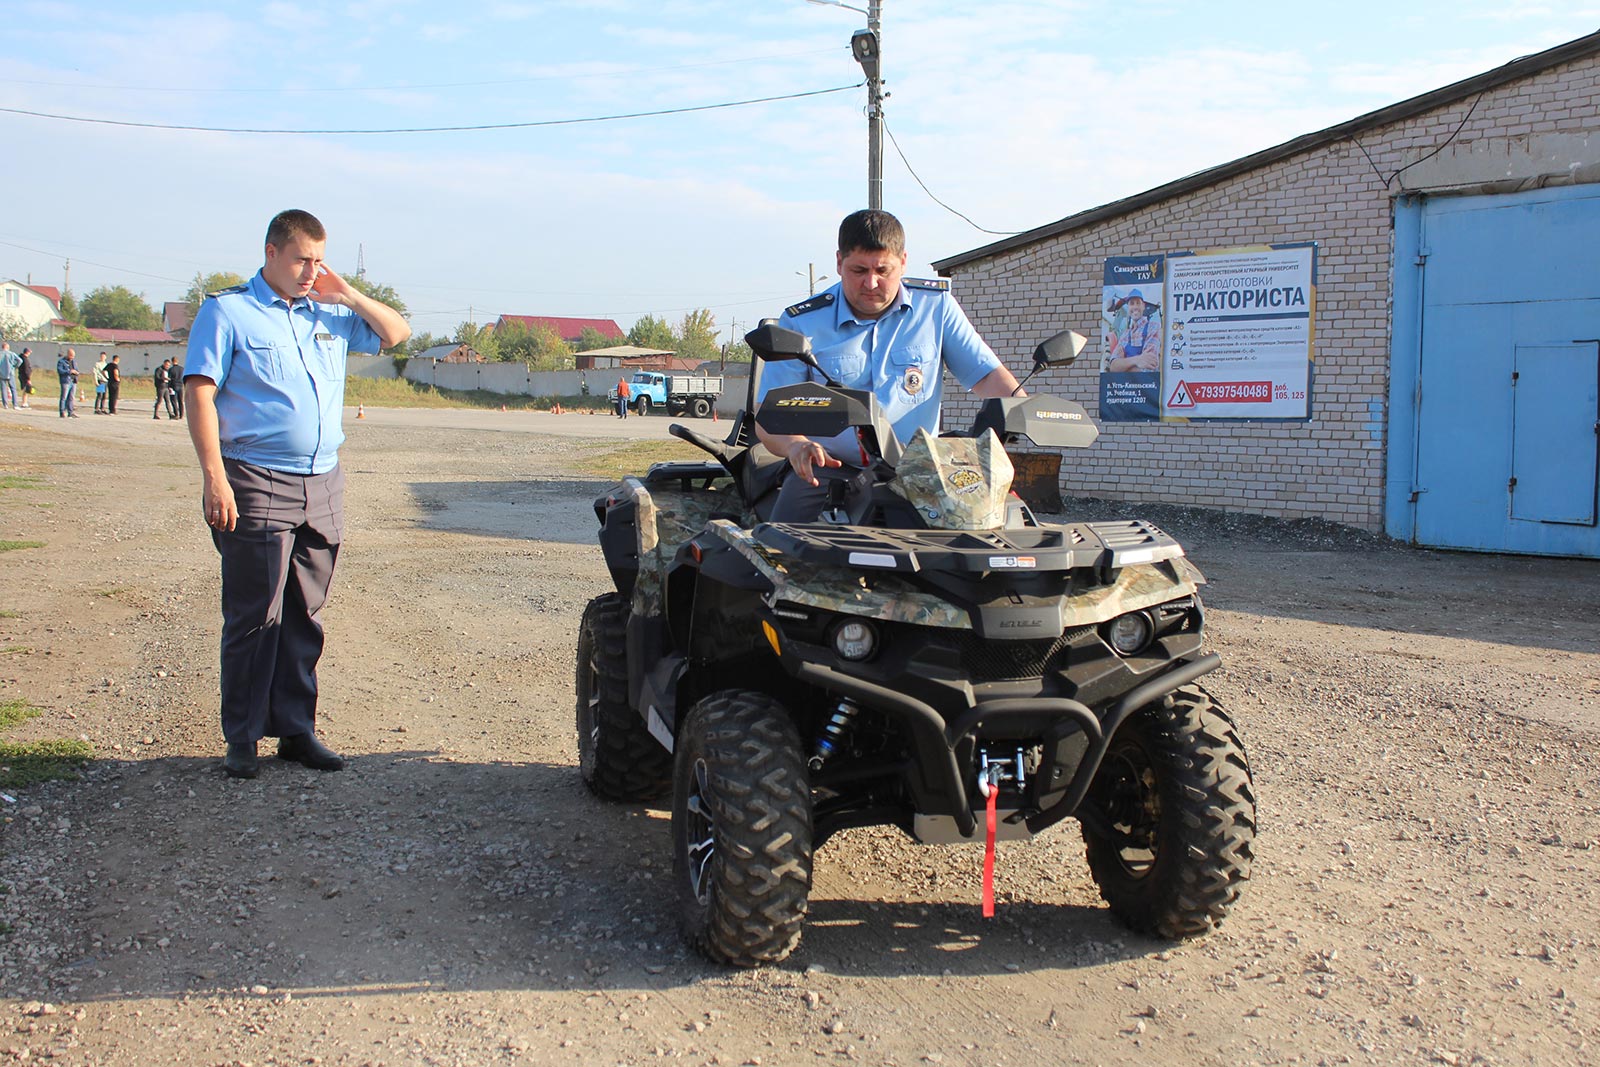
{"x": 1058, "y": 351}
{"x": 771, "y": 341}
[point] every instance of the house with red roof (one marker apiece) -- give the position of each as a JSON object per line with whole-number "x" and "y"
{"x": 35, "y": 307}
{"x": 569, "y": 330}
{"x": 175, "y": 318}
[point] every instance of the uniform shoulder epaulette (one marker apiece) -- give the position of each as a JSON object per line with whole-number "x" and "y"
{"x": 821, "y": 300}
{"x": 937, "y": 285}
{"x": 240, "y": 288}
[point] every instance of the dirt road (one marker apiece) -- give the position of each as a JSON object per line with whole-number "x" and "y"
{"x": 1422, "y": 726}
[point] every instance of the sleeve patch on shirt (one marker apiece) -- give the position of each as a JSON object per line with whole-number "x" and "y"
{"x": 821, "y": 300}
{"x": 938, "y": 285}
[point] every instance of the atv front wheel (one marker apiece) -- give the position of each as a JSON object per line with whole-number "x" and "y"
{"x": 741, "y": 829}
{"x": 1174, "y": 837}
{"x": 617, "y": 757}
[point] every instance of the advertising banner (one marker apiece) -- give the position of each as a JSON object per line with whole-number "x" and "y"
{"x": 1225, "y": 334}
{"x": 1131, "y": 339}
{"x": 1239, "y": 333}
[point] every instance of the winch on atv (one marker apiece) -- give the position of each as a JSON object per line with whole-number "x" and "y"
{"x": 928, "y": 655}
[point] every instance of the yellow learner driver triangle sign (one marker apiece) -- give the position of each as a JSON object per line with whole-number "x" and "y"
{"x": 1180, "y": 397}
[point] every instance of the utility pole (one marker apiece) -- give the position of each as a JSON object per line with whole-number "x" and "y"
{"x": 812, "y": 279}
{"x": 66, "y": 286}
{"x": 875, "y": 95}
{"x": 867, "y": 47}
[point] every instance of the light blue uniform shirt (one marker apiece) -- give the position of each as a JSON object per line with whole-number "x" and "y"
{"x": 279, "y": 369}
{"x": 899, "y": 356}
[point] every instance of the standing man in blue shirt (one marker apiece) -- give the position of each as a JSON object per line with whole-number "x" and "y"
{"x": 879, "y": 330}
{"x": 265, "y": 400}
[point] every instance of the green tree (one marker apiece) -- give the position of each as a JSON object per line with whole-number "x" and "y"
{"x": 538, "y": 346}
{"x": 651, "y": 332}
{"x": 77, "y": 335}
{"x": 13, "y": 327}
{"x": 118, "y": 308}
{"x": 208, "y": 283}
{"x": 384, "y": 294}
{"x": 592, "y": 338}
{"x": 737, "y": 352}
{"x": 480, "y": 338}
{"x": 69, "y": 306}
{"x": 697, "y": 337}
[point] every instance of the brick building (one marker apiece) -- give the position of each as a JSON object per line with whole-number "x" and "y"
{"x": 1487, "y": 183}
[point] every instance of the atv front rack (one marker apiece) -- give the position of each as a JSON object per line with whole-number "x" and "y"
{"x": 1103, "y": 546}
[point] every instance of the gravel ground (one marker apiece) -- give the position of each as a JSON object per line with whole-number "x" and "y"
{"x": 1422, "y": 728}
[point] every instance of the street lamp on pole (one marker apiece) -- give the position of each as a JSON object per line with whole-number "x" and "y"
{"x": 867, "y": 48}
{"x": 812, "y": 277}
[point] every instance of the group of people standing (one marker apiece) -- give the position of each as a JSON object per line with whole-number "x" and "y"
{"x": 16, "y": 383}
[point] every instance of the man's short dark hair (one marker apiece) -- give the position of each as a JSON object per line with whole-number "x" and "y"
{"x": 287, "y": 225}
{"x": 871, "y": 231}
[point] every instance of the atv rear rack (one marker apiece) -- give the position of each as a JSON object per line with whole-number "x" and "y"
{"x": 1104, "y": 546}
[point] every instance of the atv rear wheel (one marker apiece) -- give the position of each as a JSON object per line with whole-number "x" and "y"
{"x": 1177, "y": 817}
{"x": 617, "y": 757}
{"x": 741, "y": 829}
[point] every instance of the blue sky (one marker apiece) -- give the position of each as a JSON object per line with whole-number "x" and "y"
{"x": 1015, "y": 113}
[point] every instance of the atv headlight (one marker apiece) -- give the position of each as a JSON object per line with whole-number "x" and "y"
{"x": 855, "y": 640}
{"x": 1130, "y": 634}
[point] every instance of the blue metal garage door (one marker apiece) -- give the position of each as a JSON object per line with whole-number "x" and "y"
{"x": 1505, "y": 399}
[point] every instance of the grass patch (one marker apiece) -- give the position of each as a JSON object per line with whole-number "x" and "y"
{"x": 400, "y": 393}
{"x": 20, "y": 481}
{"x": 12, "y": 546}
{"x": 28, "y": 763}
{"x": 114, "y": 591}
{"x": 11, "y": 650}
{"x": 9, "y": 614}
{"x": 14, "y": 713}
{"x": 24, "y": 763}
{"x": 636, "y": 457}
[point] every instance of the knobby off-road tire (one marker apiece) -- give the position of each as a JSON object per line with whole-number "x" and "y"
{"x": 1175, "y": 788}
{"x": 741, "y": 829}
{"x": 617, "y": 757}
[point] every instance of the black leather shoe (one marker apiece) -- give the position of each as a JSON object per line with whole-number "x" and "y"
{"x": 307, "y": 751}
{"x": 240, "y": 762}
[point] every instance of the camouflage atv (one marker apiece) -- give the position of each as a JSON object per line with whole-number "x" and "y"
{"x": 927, "y": 655}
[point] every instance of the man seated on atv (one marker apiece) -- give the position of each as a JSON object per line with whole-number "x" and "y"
{"x": 878, "y": 330}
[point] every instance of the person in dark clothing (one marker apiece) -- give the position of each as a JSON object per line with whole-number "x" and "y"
{"x": 113, "y": 384}
{"x": 175, "y": 382}
{"x": 25, "y": 377}
{"x": 163, "y": 389}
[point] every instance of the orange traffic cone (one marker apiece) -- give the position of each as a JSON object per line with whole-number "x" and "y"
{"x": 502, "y": 407}
{"x": 713, "y": 413}
{"x": 556, "y": 410}
{"x": 361, "y": 411}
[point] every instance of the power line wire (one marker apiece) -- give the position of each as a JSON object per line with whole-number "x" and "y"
{"x": 432, "y": 129}
{"x": 92, "y": 263}
{"x": 935, "y": 199}
{"x": 278, "y": 90}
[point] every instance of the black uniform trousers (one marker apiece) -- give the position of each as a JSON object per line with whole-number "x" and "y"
{"x": 277, "y": 565}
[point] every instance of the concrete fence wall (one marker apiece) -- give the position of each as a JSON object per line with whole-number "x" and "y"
{"x": 515, "y": 379}
{"x": 138, "y": 361}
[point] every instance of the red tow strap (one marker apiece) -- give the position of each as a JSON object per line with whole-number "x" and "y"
{"x": 988, "y": 852}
